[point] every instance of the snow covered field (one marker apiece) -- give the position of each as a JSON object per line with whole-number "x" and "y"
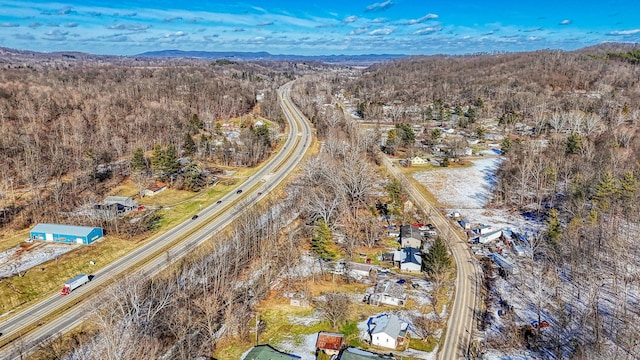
{"x": 468, "y": 191}
{"x": 13, "y": 260}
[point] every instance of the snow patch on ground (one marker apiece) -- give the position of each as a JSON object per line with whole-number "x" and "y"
{"x": 13, "y": 261}
{"x": 304, "y": 347}
{"x": 468, "y": 190}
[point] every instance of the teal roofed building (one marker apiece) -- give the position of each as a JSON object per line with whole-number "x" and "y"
{"x": 266, "y": 352}
{"x": 69, "y": 234}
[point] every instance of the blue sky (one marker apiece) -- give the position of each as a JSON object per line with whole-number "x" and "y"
{"x": 316, "y": 27}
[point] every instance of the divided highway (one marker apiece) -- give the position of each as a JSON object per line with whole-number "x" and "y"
{"x": 461, "y": 319}
{"x": 23, "y": 332}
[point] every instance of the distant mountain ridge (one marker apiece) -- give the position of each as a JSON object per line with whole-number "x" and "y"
{"x": 263, "y": 55}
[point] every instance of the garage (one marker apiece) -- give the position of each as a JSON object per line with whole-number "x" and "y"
{"x": 69, "y": 234}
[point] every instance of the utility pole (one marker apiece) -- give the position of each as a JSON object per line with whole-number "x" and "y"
{"x": 467, "y": 356}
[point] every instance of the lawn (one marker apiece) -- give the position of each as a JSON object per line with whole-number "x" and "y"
{"x": 11, "y": 238}
{"x": 177, "y": 206}
{"x": 49, "y": 277}
{"x": 428, "y": 345}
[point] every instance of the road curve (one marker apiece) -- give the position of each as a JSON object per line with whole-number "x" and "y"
{"x": 460, "y": 325}
{"x": 160, "y": 252}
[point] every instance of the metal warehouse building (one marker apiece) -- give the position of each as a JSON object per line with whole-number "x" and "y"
{"x": 69, "y": 234}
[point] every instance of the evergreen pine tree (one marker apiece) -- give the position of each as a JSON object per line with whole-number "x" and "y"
{"x": 437, "y": 260}
{"x": 628, "y": 189}
{"x": 170, "y": 161}
{"x": 189, "y": 146}
{"x": 195, "y": 122}
{"x": 157, "y": 159}
{"x": 574, "y": 143}
{"x": 138, "y": 162}
{"x": 606, "y": 191}
{"x": 554, "y": 228}
{"x": 321, "y": 241}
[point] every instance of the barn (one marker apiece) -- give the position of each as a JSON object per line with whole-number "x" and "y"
{"x": 69, "y": 234}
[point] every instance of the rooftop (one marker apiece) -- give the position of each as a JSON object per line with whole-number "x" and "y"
{"x": 124, "y": 200}
{"x": 352, "y": 353}
{"x": 266, "y": 352}
{"x": 391, "y": 325}
{"x": 390, "y": 288}
{"x": 329, "y": 341}
{"x": 63, "y": 229}
{"x": 407, "y": 231}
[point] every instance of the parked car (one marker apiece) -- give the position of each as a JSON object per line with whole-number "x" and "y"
{"x": 543, "y": 324}
{"x": 401, "y": 281}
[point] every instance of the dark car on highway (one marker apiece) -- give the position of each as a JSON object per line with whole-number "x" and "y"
{"x": 194, "y": 217}
{"x": 239, "y": 191}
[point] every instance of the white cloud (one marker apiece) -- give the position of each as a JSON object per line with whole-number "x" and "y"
{"x": 565, "y": 22}
{"x": 128, "y": 27}
{"x": 350, "y": 19}
{"x": 625, "y": 32}
{"x": 379, "y": 20}
{"x": 379, "y": 6}
{"x": 70, "y": 25}
{"x": 427, "y": 30}
{"x": 384, "y": 31}
{"x": 422, "y": 19}
{"x": 9, "y": 24}
{"x": 175, "y": 34}
{"x": 359, "y": 31}
{"x": 55, "y": 35}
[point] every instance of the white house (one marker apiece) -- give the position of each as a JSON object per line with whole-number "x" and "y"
{"x": 485, "y": 229}
{"x": 466, "y": 224}
{"x": 388, "y": 331}
{"x": 408, "y": 259}
{"x": 155, "y": 189}
{"x": 410, "y": 236}
{"x": 489, "y": 237}
{"x": 417, "y": 160}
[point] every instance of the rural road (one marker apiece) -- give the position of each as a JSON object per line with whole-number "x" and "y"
{"x": 461, "y": 323}
{"x": 25, "y": 331}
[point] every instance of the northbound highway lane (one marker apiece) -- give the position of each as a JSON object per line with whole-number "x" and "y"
{"x": 23, "y": 332}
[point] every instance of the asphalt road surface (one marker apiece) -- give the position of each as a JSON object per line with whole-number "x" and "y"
{"x": 23, "y": 332}
{"x": 461, "y": 323}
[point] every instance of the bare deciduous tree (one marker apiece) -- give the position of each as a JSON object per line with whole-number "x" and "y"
{"x": 335, "y": 308}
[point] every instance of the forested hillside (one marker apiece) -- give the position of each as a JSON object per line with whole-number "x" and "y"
{"x": 67, "y": 126}
{"x": 570, "y": 127}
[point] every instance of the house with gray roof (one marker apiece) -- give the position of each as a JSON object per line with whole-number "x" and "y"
{"x": 408, "y": 259}
{"x": 352, "y": 353}
{"x": 388, "y": 293}
{"x": 388, "y": 331}
{"x": 267, "y": 352}
{"x": 410, "y": 236}
{"x": 114, "y": 206}
{"x": 127, "y": 202}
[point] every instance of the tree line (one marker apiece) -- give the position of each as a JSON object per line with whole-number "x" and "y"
{"x": 68, "y": 133}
